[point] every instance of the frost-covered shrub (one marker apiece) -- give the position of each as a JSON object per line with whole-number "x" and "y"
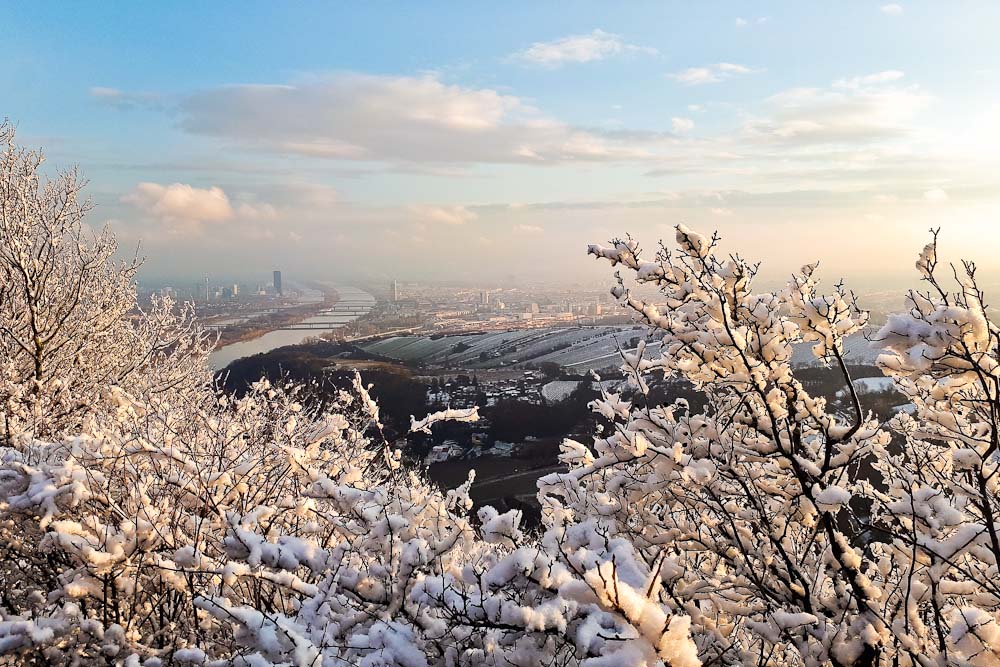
{"x": 214, "y": 528}
{"x": 147, "y": 519}
{"x": 788, "y": 534}
{"x": 135, "y": 521}
{"x": 70, "y": 327}
{"x": 260, "y": 532}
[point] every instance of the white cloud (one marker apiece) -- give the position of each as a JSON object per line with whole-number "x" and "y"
{"x": 936, "y": 196}
{"x": 180, "y": 210}
{"x": 397, "y": 119}
{"x": 530, "y": 230}
{"x": 598, "y": 45}
{"x": 680, "y": 125}
{"x": 842, "y": 114}
{"x": 445, "y": 215}
{"x": 892, "y": 9}
{"x": 181, "y": 202}
{"x": 741, "y": 22}
{"x": 694, "y": 76}
{"x": 878, "y": 78}
{"x": 256, "y": 211}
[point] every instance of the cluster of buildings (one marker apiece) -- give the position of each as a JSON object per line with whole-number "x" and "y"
{"x": 472, "y": 449}
{"x": 466, "y": 308}
{"x": 204, "y": 291}
{"x": 461, "y": 394}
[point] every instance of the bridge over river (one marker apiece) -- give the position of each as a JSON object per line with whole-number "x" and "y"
{"x": 353, "y": 303}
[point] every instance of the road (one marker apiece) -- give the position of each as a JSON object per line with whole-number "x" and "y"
{"x": 516, "y": 484}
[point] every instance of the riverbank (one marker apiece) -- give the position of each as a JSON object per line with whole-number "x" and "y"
{"x": 285, "y": 317}
{"x": 325, "y": 319}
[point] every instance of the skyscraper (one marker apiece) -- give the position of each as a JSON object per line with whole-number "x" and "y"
{"x": 201, "y": 290}
{"x": 277, "y": 283}
{"x": 395, "y": 291}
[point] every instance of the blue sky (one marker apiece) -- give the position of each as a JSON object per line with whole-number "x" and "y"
{"x": 467, "y": 141}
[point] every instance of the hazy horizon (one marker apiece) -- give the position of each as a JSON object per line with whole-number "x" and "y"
{"x": 439, "y": 143}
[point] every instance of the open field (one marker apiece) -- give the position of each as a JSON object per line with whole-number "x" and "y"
{"x": 577, "y": 348}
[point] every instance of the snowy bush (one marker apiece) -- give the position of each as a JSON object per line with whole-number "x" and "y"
{"x": 147, "y": 519}
{"x": 788, "y": 534}
{"x": 70, "y": 328}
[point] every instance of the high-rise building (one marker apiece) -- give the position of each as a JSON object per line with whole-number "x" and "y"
{"x": 201, "y": 290}
{"x": 395, "y": 291}
{"x": 484, "y": 298}
{"x": 277, "y": 283}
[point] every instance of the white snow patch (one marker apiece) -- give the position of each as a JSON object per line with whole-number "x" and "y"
{"x": 559, "y": 390}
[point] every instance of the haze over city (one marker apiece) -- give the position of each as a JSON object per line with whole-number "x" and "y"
{"x": 474, "y": 142}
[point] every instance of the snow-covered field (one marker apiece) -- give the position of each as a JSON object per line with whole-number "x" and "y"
{"x": 869, "y": 385}
{"x": 873, "y": 384}
{"x": 580, "y": 347}
{"x": 857, "y": 350}
{"x": 559, "y": 390}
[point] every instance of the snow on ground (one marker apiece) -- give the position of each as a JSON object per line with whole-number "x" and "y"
{"x": 559, "y": 390}
{"x": 580, "y": 348}
{"x": 870, "y": 385}
{"x": 857, "y": 350}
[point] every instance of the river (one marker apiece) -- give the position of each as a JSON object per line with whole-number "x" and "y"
{"x": 354, "y": 296}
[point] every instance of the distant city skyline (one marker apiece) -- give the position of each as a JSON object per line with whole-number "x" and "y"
{"x": 484, "y": 143}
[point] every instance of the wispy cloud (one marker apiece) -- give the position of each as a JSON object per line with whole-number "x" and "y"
{"x": 679, "y": 124}
{"x": 743, "y": 22}
{"x": 528, "y": 230}
{"x": 694, "y": 76}
{"x": 597, "y": 45}
{"x": 887, "y": 76}
{"x": 444, "y": 215}
{"x": 417, "y": 120}
{"x": 858, "y": 110}
{"x": 119, "y": 99}
{"x": 892, "y": 9}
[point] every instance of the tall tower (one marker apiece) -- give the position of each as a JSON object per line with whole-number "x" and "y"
{"x": 201, "y": 290}
{"x": 395, "y": 291}
{"x": 277, "y": 283}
